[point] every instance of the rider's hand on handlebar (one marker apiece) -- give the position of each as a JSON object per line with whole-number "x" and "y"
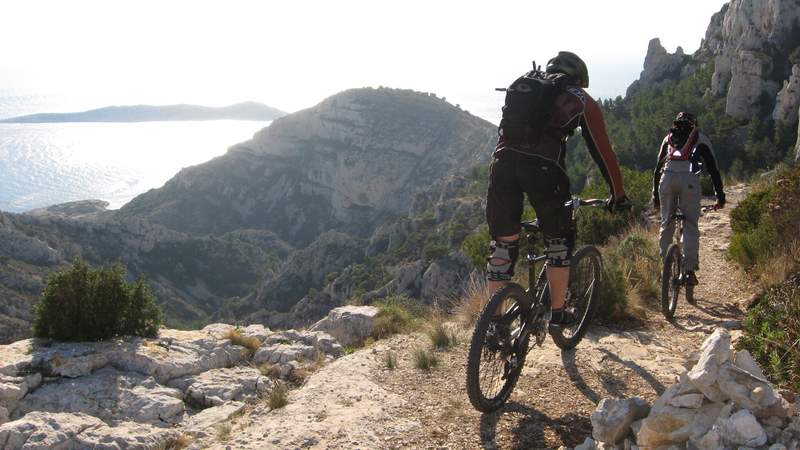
{"x": 619, "y": 204}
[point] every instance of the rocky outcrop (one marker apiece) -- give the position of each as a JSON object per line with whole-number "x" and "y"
{"x": 354, "y": 159}
{"x": 349, "y": 324}
{"x": 140, "y": 393}
{"x": 788, "y": 98}
{"x": 748, "y": 42}
{"x": 722, "y": 402}
{"x": 660, "y": 66}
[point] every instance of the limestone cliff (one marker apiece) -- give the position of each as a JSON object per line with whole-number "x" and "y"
{"x": 346, "y": 164}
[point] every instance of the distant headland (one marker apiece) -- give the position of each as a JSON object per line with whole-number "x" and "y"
{"x": 150, "y": 113}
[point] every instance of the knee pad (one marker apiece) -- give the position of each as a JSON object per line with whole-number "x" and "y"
{"x": 501, "y": 260}
{"x": 558, "y": 252}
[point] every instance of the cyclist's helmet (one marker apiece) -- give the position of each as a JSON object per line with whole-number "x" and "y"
{"x": 685, "y": 119}
{"x": 572, "y": 65}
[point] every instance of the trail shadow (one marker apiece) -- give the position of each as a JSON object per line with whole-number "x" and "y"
{"x": 568, "y": 359}
{"x": 720, "y": 311}
{"x": 529, "y": 431}
{"x": 641, "y": 371}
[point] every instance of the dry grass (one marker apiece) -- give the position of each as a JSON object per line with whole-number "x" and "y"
{"x": 778, "y": 269}
{"x": 441, "y": 335}
{"x": 270, "y": 370}
{"x": 181, "y": 442}
{"x": 223, "y": 432}
{"x": 475, "y": 298}
{"x": 251, "y": 344}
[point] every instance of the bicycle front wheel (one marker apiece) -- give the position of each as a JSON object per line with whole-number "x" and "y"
{"x": 498, "y": 348}
{"x": 671, "y": 281}
{"x": 585, "y": 279}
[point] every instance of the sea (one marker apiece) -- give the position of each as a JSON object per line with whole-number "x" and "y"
{"x": 51, "y": 163}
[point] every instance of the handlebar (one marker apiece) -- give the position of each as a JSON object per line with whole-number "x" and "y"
{"x": 707, "y": 208}
{"x": 577, "y": 202}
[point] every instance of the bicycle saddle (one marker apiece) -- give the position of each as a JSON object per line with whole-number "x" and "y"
{"x": 532, "y": 225}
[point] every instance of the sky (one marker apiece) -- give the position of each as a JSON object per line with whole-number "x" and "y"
{"x": 292, "y": 54}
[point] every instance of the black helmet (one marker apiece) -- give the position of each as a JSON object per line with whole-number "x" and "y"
{"x": 685, "y": 119}
{"x": 571, "y": 64}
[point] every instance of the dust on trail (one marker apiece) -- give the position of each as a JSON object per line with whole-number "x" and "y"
{"x": 557, "y": 391}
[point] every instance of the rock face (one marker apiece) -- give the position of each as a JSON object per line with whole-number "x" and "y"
{"x": 788, "y": 98}
{"x": 722, "y": 402}
{"x": 139, "y": 393}
{"x": 356, "y": 157}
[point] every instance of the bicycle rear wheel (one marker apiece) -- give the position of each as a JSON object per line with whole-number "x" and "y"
{"x": 585, "y": 279}
{"x": 671, "y": 281}
{"x": 495, "y": 361}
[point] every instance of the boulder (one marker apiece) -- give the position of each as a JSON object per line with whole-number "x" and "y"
{"x": 742, "y": 428}
{"x": 788, "y": 98}
{"x": 127, "y": 436}
{"x": 747, "y": 391}
{"x": 744, "y": 360}
{"x": 110, "y": 395}
{"x": 672, "y": 425}
{"x": 693, "y": 401}
{"x": 349, "y": 325}
{"x": 218, "y": 386}
{"x": 4, "y": 416}
{"x": 284, "y": 353}
{"x": 612, "y": 419}
{"x": 12, "y": 390}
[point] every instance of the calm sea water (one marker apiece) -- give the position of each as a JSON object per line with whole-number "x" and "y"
{"x": 46, "y": 164}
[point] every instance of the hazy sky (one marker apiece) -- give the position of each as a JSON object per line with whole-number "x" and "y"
{"x": 292, "y": 54}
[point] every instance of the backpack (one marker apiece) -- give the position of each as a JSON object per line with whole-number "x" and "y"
{"x": 685, "y": 152}
{"x": 529, "y": 105}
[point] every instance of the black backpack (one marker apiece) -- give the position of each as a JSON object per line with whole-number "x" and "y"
{"x": 529, "y": 105}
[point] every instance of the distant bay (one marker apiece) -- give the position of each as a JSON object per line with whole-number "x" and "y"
{"x": 50, "y": 163}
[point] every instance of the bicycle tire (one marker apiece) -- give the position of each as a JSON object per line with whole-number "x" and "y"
{"x": 670, "y": 286}
{"x": 587, "y": 255}
{"x": 477, "y": 397}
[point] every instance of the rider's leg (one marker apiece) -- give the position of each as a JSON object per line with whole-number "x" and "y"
{"x": 558, "y": 279}
{"x": 669, "y": 205}
{"x": 690, "y": 206}
{"x": 499, "y": 264}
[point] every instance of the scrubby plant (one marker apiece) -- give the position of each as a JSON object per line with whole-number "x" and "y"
{"x": 390, "y": 360}
{"x": 80, "y": 303}
{"x": 397, "y": 314}
{"x": 441, "y": 336}
{"x": 425, "y": 359}
{"x": 772, "y": 332}
{"x": 278, "y": 396}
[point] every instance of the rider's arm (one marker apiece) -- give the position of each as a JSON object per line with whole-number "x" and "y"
{"x": 710, "y": 163}
{"x": 662, "y": 158}
{"x": 594, "y": 132}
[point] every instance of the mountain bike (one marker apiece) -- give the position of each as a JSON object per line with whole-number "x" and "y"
{"x": 495, "y": 360}
{"x": 673, "y": 275}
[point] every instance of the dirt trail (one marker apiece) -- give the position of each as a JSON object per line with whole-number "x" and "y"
{"x": 552, "y": 403}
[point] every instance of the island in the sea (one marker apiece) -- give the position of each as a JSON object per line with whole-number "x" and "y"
{"x": 150, "y": 113}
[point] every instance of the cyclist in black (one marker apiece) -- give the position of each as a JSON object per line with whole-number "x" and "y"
{"x": 684, "y": 153}
{"x": 530, "y": 159}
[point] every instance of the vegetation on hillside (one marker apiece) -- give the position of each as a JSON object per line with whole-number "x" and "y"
{"x": 81, "y": 303}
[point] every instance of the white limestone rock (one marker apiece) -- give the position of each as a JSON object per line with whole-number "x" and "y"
{"x": 284, "y": 353}
{"x": 45, "y": 431}
{"x": 612, "y": 419}
{"x": 4, "y": 415}
{"x": 716, "y": 350}
{"x": 349, "y": 325}
{"x": 12, "y": 390}
{"x": 126, "y": 436}
{"x": 203, "y": 423}
{"x": 744, "y": 360}
{"x": 749, "y": 392}
{"x": 218, "y": 386}
{"x": 110, "y": 395}
{"x": 692, "y": 401}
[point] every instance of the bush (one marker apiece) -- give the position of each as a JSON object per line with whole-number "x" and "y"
{"x": 425, "y": 359}
{"x": 250, "y": 344}
{"x": 440, "y": 335}
{"x": 278, "y": 396}
{"x": 397, "y": 314}
{"x": 772, "y": 331}
{"x": 595, "y": 225}
{"x": 84, "y": 304}
{"x": 765, "y": 223}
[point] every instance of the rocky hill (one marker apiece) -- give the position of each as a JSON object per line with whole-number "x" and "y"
{"x": 346, "y": 164}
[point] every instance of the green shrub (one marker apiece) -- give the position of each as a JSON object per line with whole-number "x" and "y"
{"x": 595, "y": 225}
{"x": 765, "y": 223}
{"x": 441, "y": 337}
{"x": 278, "y": 396}
{"x": 397, "y": 314}
{"x": 84, "y": 304}
{"x": 476, "y": 247}
{"x": 772, "y": 332}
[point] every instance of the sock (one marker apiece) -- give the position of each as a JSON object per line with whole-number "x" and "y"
{"x": 557, "y": 315}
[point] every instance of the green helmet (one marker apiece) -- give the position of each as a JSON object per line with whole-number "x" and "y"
{"x": 572, "y": 65}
